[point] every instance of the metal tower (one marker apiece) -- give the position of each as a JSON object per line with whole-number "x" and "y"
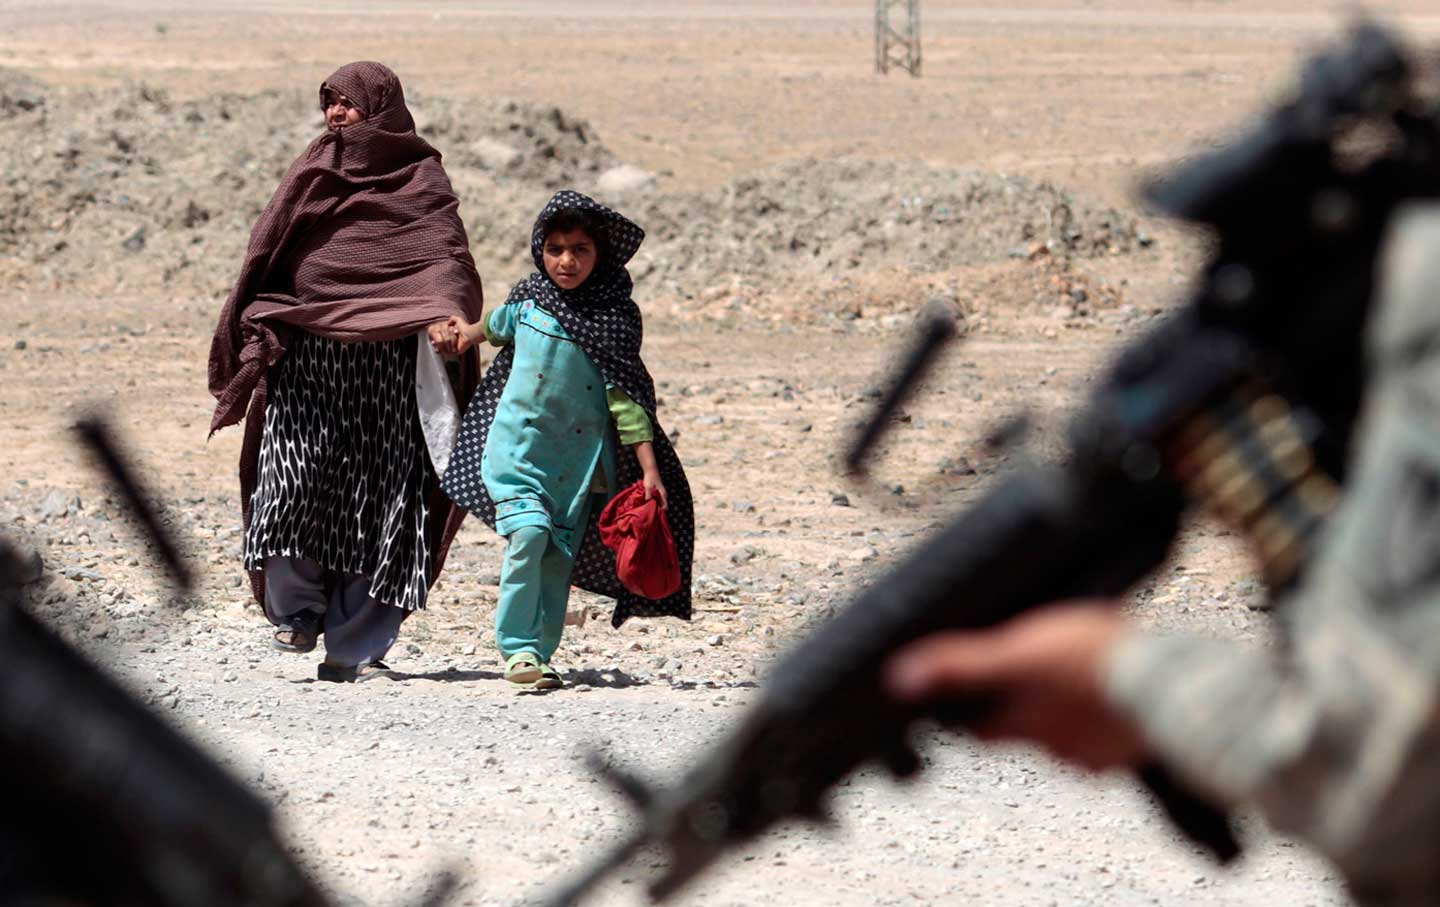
{"x": 897, "y": 36}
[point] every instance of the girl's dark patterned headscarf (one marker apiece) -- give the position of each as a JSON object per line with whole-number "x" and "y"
{"x": 620, "y": 239}
{"x": 602, "y": 317}
{"x": 600, "y": 313}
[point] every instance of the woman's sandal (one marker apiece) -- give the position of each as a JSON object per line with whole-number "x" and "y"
{"x": 353, "y": 673}
{"x": 298, "y": 633}
{"x": 523, "y": 667}
{"x": 549, "y": 679}
{"x": 372, "y": 670}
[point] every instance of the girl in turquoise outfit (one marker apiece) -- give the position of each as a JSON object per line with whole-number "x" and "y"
{"x": 564, "y": 419}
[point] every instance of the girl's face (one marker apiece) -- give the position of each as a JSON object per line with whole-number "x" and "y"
{"x": 340, "y": 111}
{"x": 569, "y": 258}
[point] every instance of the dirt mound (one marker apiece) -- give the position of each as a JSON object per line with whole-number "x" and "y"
{"x": 814, "y": 220}
{"x": 127, "y": 190}
{"x": 514, "y": 142}
{"x": 19, "y": 93}
{"x": 851, "y": 239}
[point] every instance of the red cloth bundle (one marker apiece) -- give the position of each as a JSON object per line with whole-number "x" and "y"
{"x": 638, "y": 532}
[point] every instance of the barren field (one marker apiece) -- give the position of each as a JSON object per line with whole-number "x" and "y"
{"x": 801, "y": 210}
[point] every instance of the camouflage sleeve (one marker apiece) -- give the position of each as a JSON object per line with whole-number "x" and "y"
{"x": 1337, "y": 739}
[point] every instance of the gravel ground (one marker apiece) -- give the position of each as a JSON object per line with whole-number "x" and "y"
{"x": 800, "y": 210}
{"x": 380, "y": 785}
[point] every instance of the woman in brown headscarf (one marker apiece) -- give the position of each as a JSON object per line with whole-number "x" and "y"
{"x": 351, "y": 413}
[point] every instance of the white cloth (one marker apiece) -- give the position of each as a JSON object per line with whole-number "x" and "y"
{"x": 439, "y": 413}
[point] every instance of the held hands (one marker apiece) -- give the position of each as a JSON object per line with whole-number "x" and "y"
{"x": 1044, "y": 671}
{"x": 464, "y": 333}
{"x": 443, "y": 339}
{"x": 453, "y": 336}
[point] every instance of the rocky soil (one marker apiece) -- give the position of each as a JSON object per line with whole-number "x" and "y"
{"x": 800, "y": 211}
{"x": 127, "y": 190}
{"x": 382, "y": 785}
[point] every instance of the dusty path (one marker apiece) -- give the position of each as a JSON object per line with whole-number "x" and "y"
{"x": 381, "y": 784}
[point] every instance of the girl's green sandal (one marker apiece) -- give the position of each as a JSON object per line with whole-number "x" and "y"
{"x": 523, "y": 667}
{"x": 549, "y": 679}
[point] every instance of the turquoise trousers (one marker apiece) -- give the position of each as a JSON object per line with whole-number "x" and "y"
{"x": 534, "y": 590}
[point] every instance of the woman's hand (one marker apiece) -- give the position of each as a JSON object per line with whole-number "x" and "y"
{"x": 463, "y": 332}
{"x": 442, "y": 338}
{"x": 654, "y": 488}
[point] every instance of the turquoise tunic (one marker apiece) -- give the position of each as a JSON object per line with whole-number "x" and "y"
{"x": 552, "y": 439}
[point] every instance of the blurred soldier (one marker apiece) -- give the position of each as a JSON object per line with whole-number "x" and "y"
{"x": 1335, "y": 737}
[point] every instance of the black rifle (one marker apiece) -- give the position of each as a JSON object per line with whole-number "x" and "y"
{"x": 106, "y": 804}
{"x": 1243, "y": 401}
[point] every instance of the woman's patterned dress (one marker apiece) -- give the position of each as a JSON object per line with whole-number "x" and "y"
{"x": 344, "y": 467}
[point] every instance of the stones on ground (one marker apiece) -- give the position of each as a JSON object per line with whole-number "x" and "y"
{"x": 495, "y": 155}
{"x": 19, "y": 93}
{"x": 1260, "y": 602}
{"x": 56, "y": 505}
{"x": 59, "y": 589}
{"x": 714, "y": 585}
{"x": 194, "y": 216}
{"x": 956, "y": 466}
{"x": 745, "y": 554}
{"x": 623, "y": 180}
{"x": 31, "y": 568}
{"x": 840, "y": 499}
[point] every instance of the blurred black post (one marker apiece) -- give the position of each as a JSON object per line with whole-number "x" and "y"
{"x": 100, "y": 441}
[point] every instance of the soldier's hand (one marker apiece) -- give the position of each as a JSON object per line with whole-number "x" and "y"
{"x": 1043, "y": 671}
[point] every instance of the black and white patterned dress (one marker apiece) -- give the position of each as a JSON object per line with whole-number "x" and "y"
{"x": 344, "y": 467}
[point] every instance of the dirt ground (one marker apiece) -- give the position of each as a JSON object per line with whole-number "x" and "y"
{"x": 380, "y": 785}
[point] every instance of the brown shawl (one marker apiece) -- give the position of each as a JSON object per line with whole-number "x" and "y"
{"x": 362, "y": 241}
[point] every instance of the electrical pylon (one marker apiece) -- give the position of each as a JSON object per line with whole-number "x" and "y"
{"x": 897, "y": 42}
